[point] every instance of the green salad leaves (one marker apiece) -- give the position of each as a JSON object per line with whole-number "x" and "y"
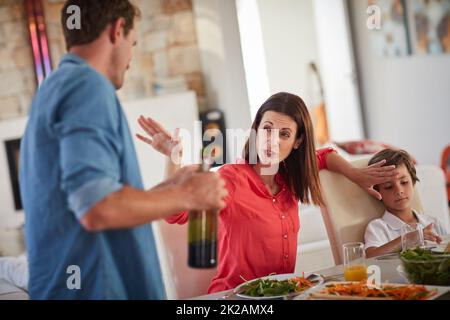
{"x": 272, "y": 288}
{"x": 424, "y": 267}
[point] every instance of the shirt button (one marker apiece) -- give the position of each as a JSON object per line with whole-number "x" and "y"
{"x": 285, "y": 236}
{"x": 274, "y": 200}
{"x": 286, "y": 256}
{"x": 283, "y": 217}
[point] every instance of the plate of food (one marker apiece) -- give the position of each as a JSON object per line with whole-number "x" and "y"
{"x": 346, "y": 290}
{"x": 282, "y": 286}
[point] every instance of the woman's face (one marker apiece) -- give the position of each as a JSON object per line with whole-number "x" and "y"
{"x": 276, "y": 137}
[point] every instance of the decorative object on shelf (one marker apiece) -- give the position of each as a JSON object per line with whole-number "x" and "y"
{"x": 362, "y": 146}
{"x": 38, "y": 37}
{"x": 319, "y": 112}
{"x": 365, "y": 147}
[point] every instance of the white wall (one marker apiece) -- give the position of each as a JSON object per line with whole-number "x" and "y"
{"x": 253, "y": 53}
{"x": 282, "y": 37}
{"x": 406, "y": 100}
{"x": 288, "y": 31}
{"x": 221, "y": 61}
{"x": 335, "y": 49}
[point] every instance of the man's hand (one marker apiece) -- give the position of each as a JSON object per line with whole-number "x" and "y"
{"x": 203, "y": 191}
{"x": 183, "y": 174}
{"x": 188, "y": 190}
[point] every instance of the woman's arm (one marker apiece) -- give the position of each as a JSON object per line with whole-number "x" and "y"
{"x": 366, "y": 177}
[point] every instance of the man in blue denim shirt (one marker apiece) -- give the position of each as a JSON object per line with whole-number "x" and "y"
{"x": 87, "y": 215}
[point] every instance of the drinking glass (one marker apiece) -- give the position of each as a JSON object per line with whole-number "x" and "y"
{"x": 412, "y": 236}
{"x": 354, "y": 261}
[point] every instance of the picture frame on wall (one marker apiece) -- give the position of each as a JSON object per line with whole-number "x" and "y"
{"x": 392, "y": 39}
{"x": 430, "y": 26}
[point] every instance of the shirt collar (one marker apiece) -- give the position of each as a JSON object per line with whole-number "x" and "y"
{"x": 422, "y": 219}
{"x": 396, "y": 223}
{"x": 259, "y": 184}
{"x": 72, "y": 58}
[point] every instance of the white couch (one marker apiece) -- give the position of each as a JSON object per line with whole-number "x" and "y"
{"x": 314, "y": 252}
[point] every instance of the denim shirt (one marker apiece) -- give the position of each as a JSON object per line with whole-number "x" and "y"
{"x": 77, "y": 149}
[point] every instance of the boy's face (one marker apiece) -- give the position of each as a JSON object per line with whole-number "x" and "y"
{"x": 399, "y": 192}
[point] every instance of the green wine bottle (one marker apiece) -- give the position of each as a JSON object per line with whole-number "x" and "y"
{"x": 202, "y": 252}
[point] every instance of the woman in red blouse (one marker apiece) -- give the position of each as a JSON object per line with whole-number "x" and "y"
{"x": 258, "y": 229}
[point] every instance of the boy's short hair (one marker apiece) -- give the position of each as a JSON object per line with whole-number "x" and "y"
{"x": 396, "y": 157}
{"x": 96, "y": 15}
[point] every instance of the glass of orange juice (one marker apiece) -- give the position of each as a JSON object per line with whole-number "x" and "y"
{"x": 354, "y": 261}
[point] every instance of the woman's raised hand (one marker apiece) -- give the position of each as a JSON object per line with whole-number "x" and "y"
{"x": 160, "y": 139}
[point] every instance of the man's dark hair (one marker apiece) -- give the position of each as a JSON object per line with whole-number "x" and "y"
{"x": 95, "y": 16}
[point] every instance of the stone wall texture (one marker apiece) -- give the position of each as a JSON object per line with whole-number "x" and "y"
{"x": 166, "y": 58}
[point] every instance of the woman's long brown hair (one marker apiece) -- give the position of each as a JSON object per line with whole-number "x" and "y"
{"x": 299, "y": 170}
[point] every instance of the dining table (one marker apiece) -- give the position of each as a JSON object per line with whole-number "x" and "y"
{"x": 389, "y": 267}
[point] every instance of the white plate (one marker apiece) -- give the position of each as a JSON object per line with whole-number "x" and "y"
{"x": 279, "y": 277}
{"x": 440, "y": 290}
{"x": 440, "y": 248}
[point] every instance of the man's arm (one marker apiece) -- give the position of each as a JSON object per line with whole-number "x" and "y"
{"x": 130, "y": 207}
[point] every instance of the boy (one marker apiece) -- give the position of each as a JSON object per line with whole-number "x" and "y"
{"x": 383, "y": 235}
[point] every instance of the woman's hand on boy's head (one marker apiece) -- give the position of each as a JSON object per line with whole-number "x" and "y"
{"x": 368, "y": 177}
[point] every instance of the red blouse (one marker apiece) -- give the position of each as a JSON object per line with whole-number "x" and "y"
{"x": 257, "y": 232}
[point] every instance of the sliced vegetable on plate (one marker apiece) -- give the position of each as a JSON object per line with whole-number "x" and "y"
{"x": 362, "y": 291}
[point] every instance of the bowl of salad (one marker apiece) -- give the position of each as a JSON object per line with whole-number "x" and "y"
{"x": 422, "y": 266}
